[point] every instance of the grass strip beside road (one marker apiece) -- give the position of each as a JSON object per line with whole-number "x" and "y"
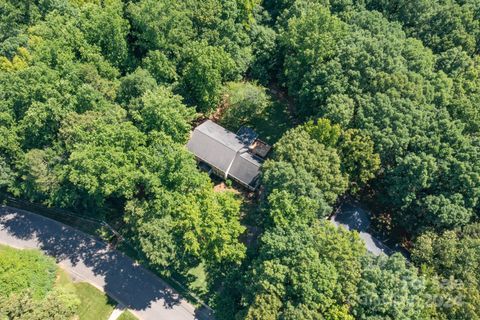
{"x": 96, "y": 229}
{"x": 127, "y": 315}
{"x": 94, "y": 304}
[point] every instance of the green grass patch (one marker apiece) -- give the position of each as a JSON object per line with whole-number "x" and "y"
{"x": 63, "y": 280}
{"x": 95, "y": 305}
{"x": 127, "y": 315}
{"x": 198, "y": 284}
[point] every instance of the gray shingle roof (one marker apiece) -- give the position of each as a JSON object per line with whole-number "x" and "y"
{"x": 211, "y": 151}
{"x": 225, "y": 151}
{"x": 246, "y": 168}
{"x": 220, "y": 134}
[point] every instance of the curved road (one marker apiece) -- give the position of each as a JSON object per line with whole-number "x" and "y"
{"x": 90, "y": 260}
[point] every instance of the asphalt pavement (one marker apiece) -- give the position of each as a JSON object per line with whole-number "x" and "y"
{"x": 352, "y": 216}
{"x": 88, "y": 259}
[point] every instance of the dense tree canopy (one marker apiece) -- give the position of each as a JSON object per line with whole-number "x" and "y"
{"x": 94, "y": 115}
{"x": 382, "y": 102}
{"x": 390, "y": 289}
{"x": 453, "y": 255}
{"x": 179, "y": 220}
{"x": 362, "y": 72}
{"x": 402, "y": 111}
{"x": 243, "y": 104}
{"x": 57, "y": 304}
{"x": 312, "y": 166}
{"x": 27, "y": 281}
{"x": 26, "y": 270}
{"x": 319, "y": 161}
{"x": 304, "y": 272}
{"x": 441, "y": 25}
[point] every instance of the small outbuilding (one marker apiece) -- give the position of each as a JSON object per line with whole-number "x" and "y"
{"x": 228, "y": 155}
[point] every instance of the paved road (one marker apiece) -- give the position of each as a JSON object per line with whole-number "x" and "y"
{"x": 90, "y": 260}
{"x": 353, "y": 217}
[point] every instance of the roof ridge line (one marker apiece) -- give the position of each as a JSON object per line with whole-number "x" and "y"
{"x": 231, "y": 164}
{"x": 218, "y": 141}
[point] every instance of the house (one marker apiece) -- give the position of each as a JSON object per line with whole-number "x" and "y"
{"x": 229, "y": 155}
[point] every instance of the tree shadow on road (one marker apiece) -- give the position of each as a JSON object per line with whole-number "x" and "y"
{"x": 124, "y": 280}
